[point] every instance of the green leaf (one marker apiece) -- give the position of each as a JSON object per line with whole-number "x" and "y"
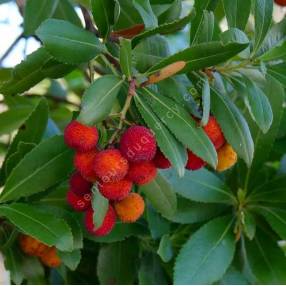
{"x": 66, "y": 11}
{"x": 70, "y": 259}
{"x": 161, "y": 195}
{"x": 193, "y": 212}
{"x": 234, "y": 125}
{"x": 164, "y": 29}
{"x": 68, "y": 43}
{"x": 200, "y": 7}
{"x": 47, "y": 164}
{"x": 36, "y": 67}
{"x": 206, "y": 98}
{"x": 151, "y": 272}
{"x": 13, "y": 118}
{"x": 150, "y": 51}
{"x": 116, "y": 263}
{"x": 103, "y": 15}
{"x": 207, "y": 254}
{"x": 275, "y": 54}
{"x": 31, "y": 132}
{"x": 258, "y": 106}
{"x": 36, "y": 12}
{"x": 203, "y": 55}
{"x": 145, "y": 10}
{"x": 99, "y": 98}
{"x": 264, "y": 142}
{"x": 100, "y": 207}
{"x": 233, "y": 277}
{"x": 172, "y": 13}
{"x": 207, "y": 28}
{"x": 278, "y": 72}
{"x": 263, "y": 17}
{"x": 171, "y": 148}
{"x": 126, "y": 57}
{"x": 183, "y": 126}
{"x": 200, "y": 186}
{"x": 44, "y": 227}
{"x": 237, "y": 13}
{"x": 266, "y": 260}
{"x": 165, "y": 250}
{"x": 249, "y": 225}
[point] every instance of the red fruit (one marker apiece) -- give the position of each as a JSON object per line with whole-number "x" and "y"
{"x": 79, "y": 185}
{"x": 194, "y": 162}
{"x": 138, "y": 144}
{"x": 214, "y": 132}
{"x": 115, "y": 191}
{"x": 80, "y": 137}
{"x": 84, "y": 164}
{"x": 110, "y": 166}
{"x": 142, "y": 173}
{"x": 107, "y": 225}
{"x": 281, "y": 2}
{"x": 161, "y": 161}
{"x": 78, "y": 203}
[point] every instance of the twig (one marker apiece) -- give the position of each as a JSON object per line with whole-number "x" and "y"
{"x": 10, "y": 49}
{"x": 113, "y": 60}
{"x": 88, "y": 21}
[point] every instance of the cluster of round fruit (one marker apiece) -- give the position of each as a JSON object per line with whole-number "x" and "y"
{"x": 116, "y": 170}
{"x": 280, "y": 2}
{"x": 33, "y": 247}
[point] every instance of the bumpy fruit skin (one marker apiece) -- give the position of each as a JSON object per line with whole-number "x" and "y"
{"x": 227, "y": 157}
{"x": 110, "y": 166}
{"x": 160, "y": 161}
{"x": 142, "y": 173}
{"x": 214, "y": 132}
{"x": 84, "y": 164}
{"x": 79, "y": 185}
{"x": 281, "y": 2}
{"x": 130, "y": 209}
{"x": 194, "y": 162}
{"x": 107, "y": 225}
{"x": 80, "y": 137}
{"x": 78, "y": 203}
{"x": 138, "y": 144}
{"x": 50, "y": 258}
{"x": 115, "y": 191}
{"x": 32, "y": 246}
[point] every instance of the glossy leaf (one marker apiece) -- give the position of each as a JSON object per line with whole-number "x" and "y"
{"x": 207, "y": 254}
{"x": 161, "y": 195}
{"x": 126, "y": 57}
{"x": 206, "y": 97}
{"x": 145, "y": 10}
{"x": 68, "y": 43}
{"x": 99, "y": 98}
{"x": 44, "y": 227}
{"x": 207, "y": 27}
{"x": 275, "y": 54}
{"x": 70, "y": 259}
{"x": 103, "y": 15}
{"x": 263, "y": 16}
{"x": 234, "y": 125}
{"x": 200, "y": 186}
{"x": 165, "y": 250}
{"x": 43, "y": 167}
{"x": 183, "y": 126}
{"x": 172, "y": 13}
{"x": 237, "y": 13}
{"x": 168, "y": 144}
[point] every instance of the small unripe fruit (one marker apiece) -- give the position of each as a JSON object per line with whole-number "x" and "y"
{"x": 79, "y": 185}
{"x": 138, "y": 144}
{"x": 80, "y": 137}
{"x": 214, "y": 132}
{"x": 32, "y": 246}
{"x": 281, "y": 2}
{"x": 160, "y": 161}
{"x": 107, "y": 225}
{"x": 110, "y": 166}
{"x": 50, "y": 258}
{"x": 115, "y": 191}
{"x": 130, "y": 209}
{"x": 227, "y": 157}
{"x": 84, "y": 164}
{"x": 142, "y": 173}
{"x": 194, "y": 162}
{"x": 78, "y": 203}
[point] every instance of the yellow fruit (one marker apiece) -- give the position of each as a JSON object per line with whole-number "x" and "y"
{"x": 227, "y": 157}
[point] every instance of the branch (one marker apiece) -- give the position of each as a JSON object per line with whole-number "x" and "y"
{"x": 10, "y": 49}
{"x": 88, "y": 21}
